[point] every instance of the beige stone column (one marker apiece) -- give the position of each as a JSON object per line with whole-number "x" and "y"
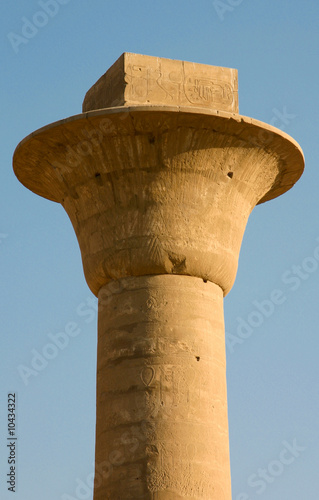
{"x": 161, "y": 389}
{"x": 159, "y": 175}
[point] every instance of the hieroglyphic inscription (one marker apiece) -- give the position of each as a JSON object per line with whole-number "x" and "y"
{"x": 201, "y": 91}
{"x": 147, "y": 375}
{"x": 179, "y": 83}
{"x": 177, "y": 390}
{"x": 138, "y": 79}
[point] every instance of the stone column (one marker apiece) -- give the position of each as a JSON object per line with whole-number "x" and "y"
{"x": 158, "y": 176}
{"x": 161, "y": 389}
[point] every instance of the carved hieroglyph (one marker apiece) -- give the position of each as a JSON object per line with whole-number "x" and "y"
{"x": 137, "y": 79}
{"x": 161, "y": 397}
{"x": 159, "y": 176}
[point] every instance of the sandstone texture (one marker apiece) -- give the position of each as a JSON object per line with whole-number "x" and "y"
{"x": 159, "y": 175}
{"x": 137, "y": 79}
{"x": 161, "y": 190}
{"x": 161, "y": 389}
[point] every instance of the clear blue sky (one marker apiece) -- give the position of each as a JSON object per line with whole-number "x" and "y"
{"x": 272, "y": 373}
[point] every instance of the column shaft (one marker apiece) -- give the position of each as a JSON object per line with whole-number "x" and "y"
{"x": 162, "y": 427}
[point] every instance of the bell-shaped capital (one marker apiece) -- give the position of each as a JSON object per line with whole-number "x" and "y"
{"x": 164, "y": 182}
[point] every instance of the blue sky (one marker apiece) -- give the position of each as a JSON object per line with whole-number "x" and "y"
{"x": 49, "y": 61}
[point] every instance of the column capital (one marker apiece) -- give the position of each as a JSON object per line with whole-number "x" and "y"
{"x": 158, "y": 189}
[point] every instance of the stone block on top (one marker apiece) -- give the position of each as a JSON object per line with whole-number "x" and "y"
{"x": 136, "y": 79}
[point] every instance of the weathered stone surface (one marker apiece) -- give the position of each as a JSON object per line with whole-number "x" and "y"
{"x": 159, "y": 196}
{"x": 159, "y": 191}
{"x": 161, "y": 390}
{"x": 137, "y": 79}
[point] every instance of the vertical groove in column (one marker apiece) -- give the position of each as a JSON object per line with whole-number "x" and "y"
{"x": 162, "y": 427}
